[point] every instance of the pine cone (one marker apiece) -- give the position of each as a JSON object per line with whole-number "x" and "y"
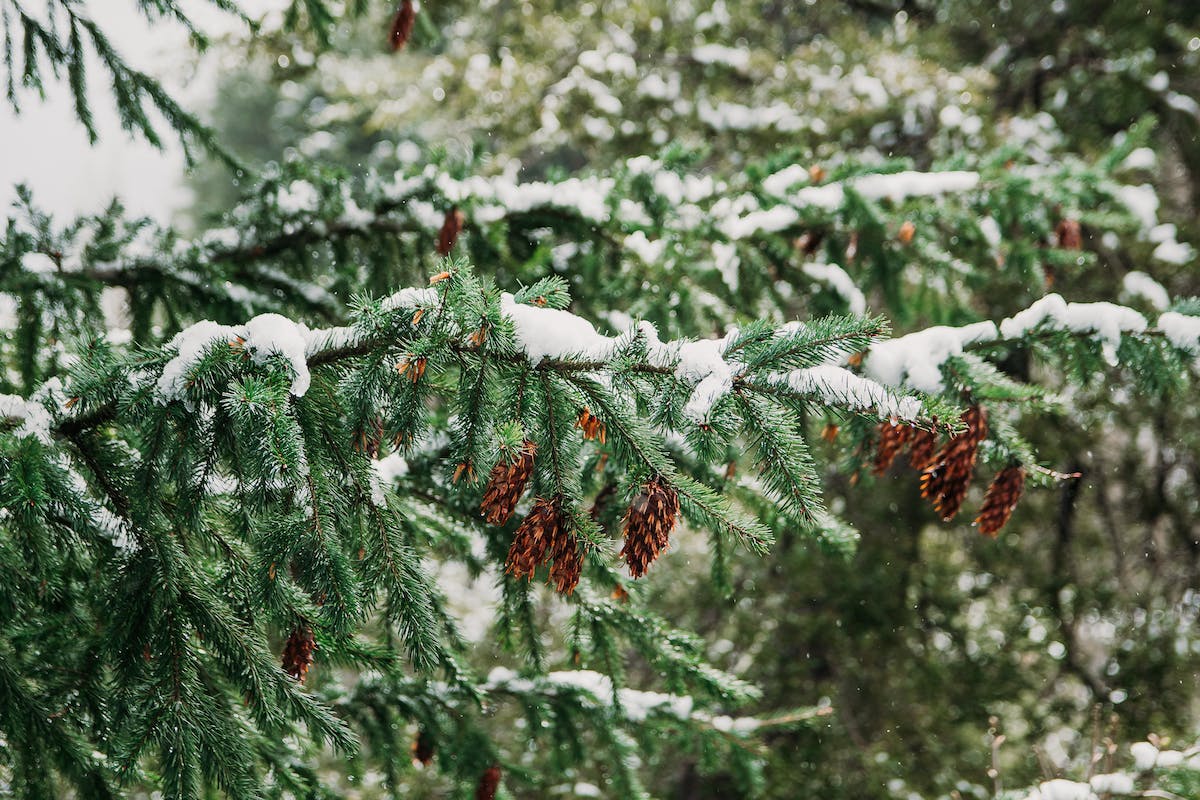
{"x": 924, "y": 444}
{"x": 945, "y": 481}
{"x": 535, "y": 537}
{"x": 648, "y": 524}
{"x": 298, "y": 652}
{"x": 423, "y": 747}
{"x": 489, "y": 783}
{"x": 1000, "y": 500}
{"x": 402, "y": 25}
{"x": 451, "y": 228}
{"x": 568, "y": 562}
{"x": 506, "y": 484}
{"x": 892, "y": 438}
{"x": 591, "y": 426}
{"x": 368, "y": 440}
{"x": 1069, "y": 235}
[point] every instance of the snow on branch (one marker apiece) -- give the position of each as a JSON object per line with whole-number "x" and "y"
{"x": 836, "y": 386}
{"x": 262, "y": 337}
{"x": 635, "y": 705}
{"x": 710, "y": 368}
{"x": 916, "y": 360}
{"x": 703, "y": 364}
{"x": 830, "y": 196}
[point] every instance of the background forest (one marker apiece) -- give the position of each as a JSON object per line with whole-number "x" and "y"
{"x": 706, "y": 167}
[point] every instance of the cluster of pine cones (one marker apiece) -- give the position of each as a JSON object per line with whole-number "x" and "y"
{"x": 545, "y": 535}
{"x": 946, "y": 472}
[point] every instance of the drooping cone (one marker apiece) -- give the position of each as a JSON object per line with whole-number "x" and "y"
{"x": 451, "y": 228}
{"x": 567, "y": 562}
{"x": 1000, "y": 500}
{"x": 506, "y": 484}
{"x": 648, "y": 523}
{"x": 1069, "y": 235}
{"x": 489, "y": 783}
{"x": 946, "y": 479}
{"x": 369, "y": 437}
{"x": 591, "y": 426}
{"x": 423, "y": 747}
{"x": 402, "y": 25}
{"x": 536, "y": 535}
{"x": 924, "y": 445}
{"x": 892, "y": 438}
{"x": 298, "y": 652}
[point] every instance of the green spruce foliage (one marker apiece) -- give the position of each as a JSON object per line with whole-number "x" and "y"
{"x": 241, "y": 536}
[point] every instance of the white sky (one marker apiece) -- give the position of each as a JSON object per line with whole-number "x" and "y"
{"x": 47, "y": 148}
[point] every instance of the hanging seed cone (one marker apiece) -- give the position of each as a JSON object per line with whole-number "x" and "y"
{"x": 298, "y": 652}
{"x": 892, "y": 438}
{"x": 451, "y": 228}
{"x": 1000, "y": 500}
{"x": 489, "y": 783}
{"x": 506, "y": 484}
{"x": 945, "y": 481}
{"x": 537, "y": 533}
{"x": 648, "y": 524}
{"x": 567, "y": 562}
{"x": 423, "y": 747}
{"x": 402, "y": 25}
{"x": 591, "y": 426}
{"x": 1069, "y": 235}
{"x": 924, "y": 445}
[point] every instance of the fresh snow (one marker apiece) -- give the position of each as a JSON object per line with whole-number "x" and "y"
{"x": 721, "y": 54}
{"x": 588, "y": 196}
{"x": 390, "y": 467}
{"x": 410, "y": 298}
{"x": 1142, "y": 202}
{"x": 189, "y": 345}
{"x": 726, "y": 260}
{"x": 991, "y": 231}
{"x": 838, "y": 280}
{"x": 550, "y": 333}
{"x": 35, "y": 419}
{"x": 1112, "y": 783}
{"x": 1181, "y": 330}
{"x": 297, "y": 197}
{"x": 1174, "y": 252}
{"x": 727, "y": 116}
{"x": 264, "y": 336}
{"x": 779, "y": 183}
{"x": 901, "y": 185}
{"x": 916, "y": 360}
{"x": 703, "y": 362}
{"x": 768, "y": 220}
{"x": 895, "y": 186}
{"x": 648, "y": 251}
{"x": 1144, "y": 755}
{"x": 1051, "y": 312}
{"x": 1141, "y": 158}
{"x": 38, "y": 263}
{"x": 1139, "y": 284}
{"x": 837, "y": 386}
{"x": 273, "y": 334}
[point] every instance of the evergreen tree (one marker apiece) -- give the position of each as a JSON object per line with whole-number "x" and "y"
{"x": 349, "y": 526}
